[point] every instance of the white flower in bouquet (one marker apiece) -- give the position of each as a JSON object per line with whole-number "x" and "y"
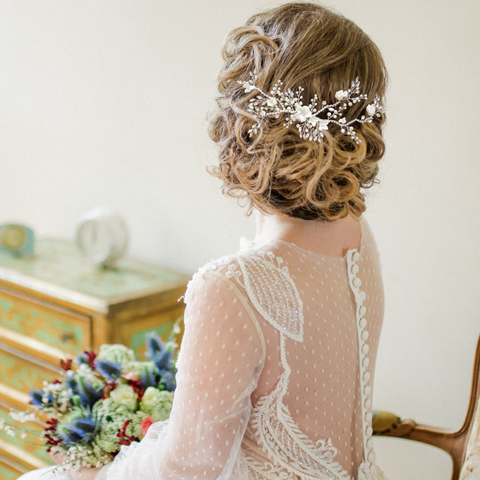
{"x": 116, "y": 353}
{"x": 125, "y": 395}
{"x": 111, "y": 417}
{"x": 157, "y": 403}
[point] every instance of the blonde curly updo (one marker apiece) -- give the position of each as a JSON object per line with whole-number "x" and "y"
{"x": 301, "y": 44}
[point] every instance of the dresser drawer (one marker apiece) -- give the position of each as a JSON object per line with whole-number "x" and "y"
{"x": 133, "y": 334}
{"x": 41, "y": 328}
{"x": 22, "y": 372}
{"x": 28, "y": 453}
{"x": 10, "y": 470}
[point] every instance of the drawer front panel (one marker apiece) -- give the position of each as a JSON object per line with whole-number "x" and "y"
{"x": 8, "y": 471}
{"x": 57, "y": 327}
{"x": 29, "y": 452}
{"x": 23, "y": 375}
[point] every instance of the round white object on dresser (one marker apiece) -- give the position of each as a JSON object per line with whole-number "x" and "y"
{"x": 102, "y": 236}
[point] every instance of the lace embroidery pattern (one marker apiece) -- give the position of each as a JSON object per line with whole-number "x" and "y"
{"x": 272, "y": 292}
{"x": 260, "y": 471}
{"x": 282, "y": 439}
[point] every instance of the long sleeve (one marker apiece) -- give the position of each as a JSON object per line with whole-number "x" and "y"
{"x": 219, "y": 364}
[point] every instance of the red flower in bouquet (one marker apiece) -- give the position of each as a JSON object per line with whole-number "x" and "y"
{"x": 145, "y": 424}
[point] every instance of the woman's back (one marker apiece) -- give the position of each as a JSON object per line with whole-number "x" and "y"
{"x": 322, "y": 390}
{"x": 287, "y": 321}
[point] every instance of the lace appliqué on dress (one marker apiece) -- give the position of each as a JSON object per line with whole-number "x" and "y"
{"x": 274, "y": 294}
{"x": 292, "y": 450}
{"x": 272, "y": 291}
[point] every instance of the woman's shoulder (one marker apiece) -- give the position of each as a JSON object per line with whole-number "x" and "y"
{"x": 259, "y": 275}
{"x": 210, "y": 276}
{"x": 239, "y": 268}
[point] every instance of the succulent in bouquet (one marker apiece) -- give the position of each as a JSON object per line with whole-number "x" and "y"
{"x": 103, "y": 401}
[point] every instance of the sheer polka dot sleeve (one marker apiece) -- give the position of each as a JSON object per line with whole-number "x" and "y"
{"x": 219, "y": 364}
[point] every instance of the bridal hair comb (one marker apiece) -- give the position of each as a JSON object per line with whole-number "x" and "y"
{"x": 306, "y": 117}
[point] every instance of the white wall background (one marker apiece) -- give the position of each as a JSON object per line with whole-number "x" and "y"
{"x": 102, "y": 103}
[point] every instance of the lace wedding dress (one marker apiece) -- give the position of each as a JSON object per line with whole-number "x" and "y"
{"x": 275, "y": 372}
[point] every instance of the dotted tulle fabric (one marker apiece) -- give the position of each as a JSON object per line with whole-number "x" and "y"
{"x": 274, "y": 380}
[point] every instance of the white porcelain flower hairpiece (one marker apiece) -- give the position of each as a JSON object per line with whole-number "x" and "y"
{"x": 306, "y": 117}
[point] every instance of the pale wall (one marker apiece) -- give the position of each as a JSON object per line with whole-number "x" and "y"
{"x": 103, "y": 103}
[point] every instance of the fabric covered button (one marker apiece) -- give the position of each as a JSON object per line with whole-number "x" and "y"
{"x": 362, "y": 322}
{"x": 368, "y": 417}
{"x": 367, "y": 403}
{"x": 365, "y": 348}
{"x": 363, "y": 296}
{"x": 355, "y": 256}
{"x": 366, "y": 376}
{"x": 354, "y": 269}
{"x": 371, "y": 457}
{"x": 369, "y": 443}
{"x": 362, "y": 310}
{"x": 369, "y": 431}
{"x": 364, "y": 335}
{"x": 357, "y": 282}
{"x": 366, "y": 362}
{"x": 367, "y": 389}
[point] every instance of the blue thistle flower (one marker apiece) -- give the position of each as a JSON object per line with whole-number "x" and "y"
{"x": 148, "y": 376}
{"x": 82, "y": 357}
{"x": 167, "y": 380}
{"x": 78, "y": 428}
{"x": 36, "y": 397}
{"x": 88, "y": 394}
{"x": 110, "y": 370}
{"x": 162, "y": 355}
{"x": 163, "y": 360}
{"x": 154, "y": 344}
{"x": 72, "y": 385}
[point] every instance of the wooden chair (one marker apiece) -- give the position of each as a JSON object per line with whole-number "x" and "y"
{"x": 455, "y": 443}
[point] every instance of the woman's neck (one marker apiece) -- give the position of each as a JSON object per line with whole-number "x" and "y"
{"x": 330, "y": 238}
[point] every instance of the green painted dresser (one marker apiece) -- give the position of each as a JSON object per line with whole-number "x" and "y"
{"x": 56, "y": 305}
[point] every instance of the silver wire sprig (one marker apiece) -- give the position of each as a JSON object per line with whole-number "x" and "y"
{"x": 307, "y": 117}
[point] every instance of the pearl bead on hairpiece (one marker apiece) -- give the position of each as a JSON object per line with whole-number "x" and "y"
{"x": 306, "y": 118}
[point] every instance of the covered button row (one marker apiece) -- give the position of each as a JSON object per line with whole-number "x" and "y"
{"x": 364, "y": 348}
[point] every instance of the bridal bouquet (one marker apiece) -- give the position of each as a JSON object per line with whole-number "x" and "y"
{"x": 103, "y": 401}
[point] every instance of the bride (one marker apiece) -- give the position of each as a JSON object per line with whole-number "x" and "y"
{"x": 276, "y": 367}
